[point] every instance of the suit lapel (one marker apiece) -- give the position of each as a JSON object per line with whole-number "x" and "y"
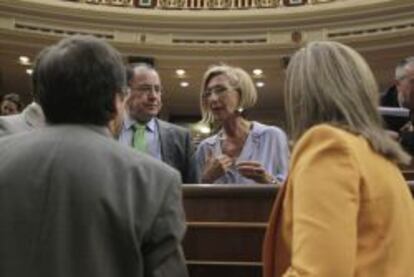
{"x": 164, "y": 133}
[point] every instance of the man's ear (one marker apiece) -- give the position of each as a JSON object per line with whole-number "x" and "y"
{"x": 120, "y": 103}
{"x": 116, "y": 123}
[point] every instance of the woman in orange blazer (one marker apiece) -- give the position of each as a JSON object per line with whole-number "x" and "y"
{"x": 345, "y": 209}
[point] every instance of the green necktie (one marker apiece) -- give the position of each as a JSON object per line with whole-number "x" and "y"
{"x": 139, "y": 141}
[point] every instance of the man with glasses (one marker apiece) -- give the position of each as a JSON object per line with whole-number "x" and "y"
{"x": 404, "y": 82}
{"x": 146, "y": 133}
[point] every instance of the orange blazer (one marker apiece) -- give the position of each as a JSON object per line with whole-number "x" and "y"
{"x": 344, "y": 211}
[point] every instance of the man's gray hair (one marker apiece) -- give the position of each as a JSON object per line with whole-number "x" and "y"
{"x": 400, "y": 68}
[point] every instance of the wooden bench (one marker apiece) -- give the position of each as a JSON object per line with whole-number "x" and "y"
{"x": 226, "y": 203}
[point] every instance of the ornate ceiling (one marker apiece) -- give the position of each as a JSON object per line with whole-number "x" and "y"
{"x": 383, "y": 31}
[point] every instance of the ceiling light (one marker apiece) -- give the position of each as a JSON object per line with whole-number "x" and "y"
{"x": 184, "y": 84}
{"x": 260, "y": 84}
{"x": 29, "y": 71}
{"x": 257, "y": 72}
{"x": 180, "y": 72}
{"x": 24, "y": 60}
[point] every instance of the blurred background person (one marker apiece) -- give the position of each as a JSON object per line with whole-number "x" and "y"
{"x": 142, "y": 130}
{"x": 345, "y": 209}
{"x": 11, "y": 104}
{"x": 243, "y": 151}
{"x": 404, "y": 83}
{"x": 397, "y": 116}
{"x": 32, "y": 116}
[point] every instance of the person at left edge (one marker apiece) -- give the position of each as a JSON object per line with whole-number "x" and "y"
{"x": 31, "y": 117}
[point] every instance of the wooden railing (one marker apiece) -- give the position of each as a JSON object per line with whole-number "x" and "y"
{"x": 226, "y": 225}
{"x": 205, "y": 4}
{"x": 408, "y": 172}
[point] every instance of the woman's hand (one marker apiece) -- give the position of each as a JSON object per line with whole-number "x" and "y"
{"x": 255, "y": 171}
{"x": 215, "y": 167}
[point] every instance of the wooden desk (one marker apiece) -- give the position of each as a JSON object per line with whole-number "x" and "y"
{"x": 229, "y": 203}
{"x": 226, "y": 225}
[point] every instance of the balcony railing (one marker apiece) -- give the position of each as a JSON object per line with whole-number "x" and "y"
{"x": 205, "y": 4}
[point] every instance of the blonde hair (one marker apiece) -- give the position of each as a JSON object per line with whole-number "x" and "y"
{"x": 239, "y": 79}
{"x": 328, "y": 82}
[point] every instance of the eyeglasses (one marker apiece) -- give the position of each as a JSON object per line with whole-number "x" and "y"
{"x": 217, "y": 90}
{"x": 148, "y": 89}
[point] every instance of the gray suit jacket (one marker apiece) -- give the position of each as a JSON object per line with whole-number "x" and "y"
{"x": 177, "y": 150}
{"x": 75, "y": 202}
{"x": 31, "y": 117}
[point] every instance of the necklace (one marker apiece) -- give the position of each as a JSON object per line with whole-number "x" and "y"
{"x": 233, "y": 146}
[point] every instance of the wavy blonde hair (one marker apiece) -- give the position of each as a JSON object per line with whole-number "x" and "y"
{"x": 328, "y": 82}
{"x": 240, "y": 80}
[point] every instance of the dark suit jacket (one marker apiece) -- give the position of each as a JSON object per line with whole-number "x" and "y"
{"x": 177, "y": 149}
{"x": 75, "y": 202}
{"x": 398, "y": 124}
{"x": 390, "y": 99}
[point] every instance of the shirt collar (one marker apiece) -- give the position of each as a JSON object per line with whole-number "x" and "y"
{"x": 34, "y": 115}
{"x": 255, "y": 132}
{"x": 129, "y": 122}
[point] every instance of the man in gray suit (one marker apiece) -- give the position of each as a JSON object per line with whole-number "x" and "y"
{"x": 75, "y": 202}
{"x": 162, "y": 140}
